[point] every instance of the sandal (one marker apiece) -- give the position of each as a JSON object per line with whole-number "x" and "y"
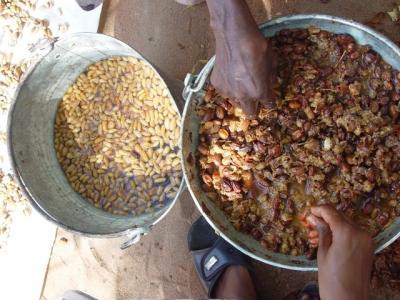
{"x": 309, "y": 292}
{"x": 211, "y": 254}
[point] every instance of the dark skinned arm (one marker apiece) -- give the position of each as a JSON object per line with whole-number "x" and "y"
{"x": 244, "y": 66}
{"x": 345, "y": 255}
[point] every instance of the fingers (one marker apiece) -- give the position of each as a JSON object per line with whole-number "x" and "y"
{"x": 321, "y": 234}
{"x": 313, "y": 234}
{"x": 313, "y": 239}
{"x": 328, "y": 214}
{"x": 268, "y": 101}
{"x": 249, "y": 107}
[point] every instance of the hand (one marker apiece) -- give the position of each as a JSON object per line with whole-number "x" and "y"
{"x": 345, "y": 255}
{"x": 244, "y": 69}
{"x": 244, "y": 72}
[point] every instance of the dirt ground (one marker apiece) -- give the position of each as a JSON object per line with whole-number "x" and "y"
{"x": 175, "y": 39}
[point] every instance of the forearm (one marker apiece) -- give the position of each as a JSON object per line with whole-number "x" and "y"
{"x": 244, "y": 65}
{"x": 231, "y": 19}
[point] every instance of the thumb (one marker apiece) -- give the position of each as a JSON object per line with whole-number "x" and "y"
{"x": 324, "y": 234}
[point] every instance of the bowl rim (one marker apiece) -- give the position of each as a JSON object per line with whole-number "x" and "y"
{"x": 205, "y": 72}
{"x": 43, "y": 49}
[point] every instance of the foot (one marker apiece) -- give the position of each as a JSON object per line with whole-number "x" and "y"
{"x": 214, "y": 259}
{"x": 309, "y": 292}
{"x": 235, "y": 283}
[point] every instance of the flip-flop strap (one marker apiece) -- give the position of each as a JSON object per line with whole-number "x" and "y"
{"x": 220, "y": 256}
{"x": 211, "y": 262}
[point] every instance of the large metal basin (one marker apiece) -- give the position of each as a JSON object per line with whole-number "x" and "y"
{"x": 194, "y": 94}
{"x": 31, "y": 139}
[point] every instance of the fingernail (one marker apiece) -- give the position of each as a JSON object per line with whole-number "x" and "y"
{"x": 311, "y": 220}
{"x": 313, "y": 234}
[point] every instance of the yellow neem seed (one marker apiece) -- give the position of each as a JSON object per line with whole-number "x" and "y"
{"x": 110, "y": 131}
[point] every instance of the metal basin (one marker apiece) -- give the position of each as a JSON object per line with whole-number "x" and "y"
{"x": 194, "y": 94}
{"x": 31, "y": 143}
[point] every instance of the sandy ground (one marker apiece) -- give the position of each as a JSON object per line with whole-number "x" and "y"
{"x": 175, "y": 39}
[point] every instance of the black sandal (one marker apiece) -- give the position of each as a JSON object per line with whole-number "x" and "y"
{"x": 211, "y": 254}
{"x": 309, "y": 292}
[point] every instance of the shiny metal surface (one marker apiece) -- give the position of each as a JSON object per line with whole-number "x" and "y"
{"x": 31, "y": 145}
{"x": 194, "y": 93}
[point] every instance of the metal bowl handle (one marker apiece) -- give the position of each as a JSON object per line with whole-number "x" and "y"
{"x": 134, "y": 236}
{"x": 194, "y": 83}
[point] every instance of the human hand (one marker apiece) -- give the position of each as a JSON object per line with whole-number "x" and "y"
{"x": 244, "y": 72}
{"x": 345, "y": 255}
{"x": 244, "y": 69}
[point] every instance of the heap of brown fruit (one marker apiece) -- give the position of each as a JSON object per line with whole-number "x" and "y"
{"x": 333, "y": 138}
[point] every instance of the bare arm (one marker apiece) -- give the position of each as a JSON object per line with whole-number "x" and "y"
{"x": 345, "y": 255}
{"x": 244, "y": 67}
